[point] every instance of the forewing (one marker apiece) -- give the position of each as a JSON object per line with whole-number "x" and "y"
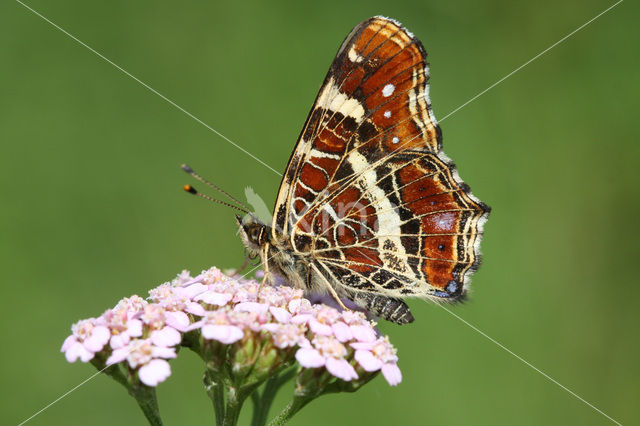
{"x": 375, "y": 91}
{"x": 368, "y": 192}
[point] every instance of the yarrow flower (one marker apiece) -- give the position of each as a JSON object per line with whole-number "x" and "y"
{"x": 228, "y": 322}
{"x": 89, "y": 336}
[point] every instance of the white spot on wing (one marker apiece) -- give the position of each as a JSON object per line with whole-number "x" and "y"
{"x": 387, "y": 114}
{"x": 353, "y": 55}
{"x": 395, "y": 139}
{"x": 388, "y": 90}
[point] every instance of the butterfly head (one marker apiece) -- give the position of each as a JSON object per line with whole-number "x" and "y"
{"x": 254, "y": 233}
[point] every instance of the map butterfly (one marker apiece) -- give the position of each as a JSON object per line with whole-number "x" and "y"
{"x": 370, "y": 209}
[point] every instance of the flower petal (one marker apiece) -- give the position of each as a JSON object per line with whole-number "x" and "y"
{"x": 163, "y": 352}
{"x": 392, "y": 373}
{"x": 195, "y": 289}
{"x": 226, "y": 334}
{"x": 77, "y": 350}
{"x": 341, "y": 369}
{"x": 134, "y": 328}
{"x": 118, "y": 355}
{"x": 119, "y": 340}
{"x": 320, "y": 328}
{"x": 367, "y": 346}
{"x": 168, "y": 336}
{"x": 270, "y": 327}
{"x": 363, "y": 333}
{"x": 68, "y": 342}
{"x": 195, "y": 309}
{"x": 194, "y": 280}
{"x": 100, "y": 335}
{"x": 280, "y": 314}
{"x": 367, "y": 360}
{"x": 342, "y": 331}
{"x": 177, "y": 319}
{"x": 154, "y": 372}
{"x": 301, "y": 318}
{"x": 214, "y": 298}
{"x": 309, "y": 358}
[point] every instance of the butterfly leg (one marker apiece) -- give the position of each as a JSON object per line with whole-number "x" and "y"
{"x": 332, "y": 291}
{"x": 265, "y": 264}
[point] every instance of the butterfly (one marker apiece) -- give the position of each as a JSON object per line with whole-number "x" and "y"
{"x": 370, "y": 209}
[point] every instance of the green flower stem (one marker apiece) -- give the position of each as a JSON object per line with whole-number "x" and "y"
{"x": 262, "y": 402}
{"x": 234, "y": 405}
{"x": 215, "y": 390}
{"x": 235, "y": 399}
{"x": 146, "y": 398}
{"x": 291, "y": 409}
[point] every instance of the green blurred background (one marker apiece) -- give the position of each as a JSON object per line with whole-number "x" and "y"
{"x": 92, "y": 208}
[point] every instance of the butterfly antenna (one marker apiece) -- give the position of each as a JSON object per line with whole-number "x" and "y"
{"x": 191, "y": 190}
{"x": 190, "y": 171}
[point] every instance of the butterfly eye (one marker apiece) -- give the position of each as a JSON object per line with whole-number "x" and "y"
{"x": 254, "y": 234}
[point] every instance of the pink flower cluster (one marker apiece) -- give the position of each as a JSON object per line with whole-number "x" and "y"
{"x": 229, "y": 309}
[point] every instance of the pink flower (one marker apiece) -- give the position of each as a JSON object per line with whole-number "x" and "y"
{"x": 153, "y": 316}
{"x": 286, "y": 335}
{"x": 177, "y": 298}
{"x": 213, "y": 275}
{"x": 140, "y": 352}
{"x": 122, "y": 323}
{"x": 230, "y": 311}
{"x": 183, "y": 277}
{"x": 330, "y": 353}
{"x": 297, "y": 306}
{"x": 88, "y": 338}
{"x": 143, "y": 353}
{"x": 131, "y": 304}
{"x": 379, "y": 355}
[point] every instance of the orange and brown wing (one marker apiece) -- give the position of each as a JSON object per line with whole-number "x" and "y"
{"x": 368, "y": 192}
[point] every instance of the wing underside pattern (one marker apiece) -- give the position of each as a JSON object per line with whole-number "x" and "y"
{"x": 368, "y": 193}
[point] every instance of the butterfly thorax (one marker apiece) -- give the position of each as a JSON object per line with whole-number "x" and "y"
{"x": 276, "y": 253}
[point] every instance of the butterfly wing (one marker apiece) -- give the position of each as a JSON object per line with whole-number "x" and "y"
{"x": 368, "y": 192}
